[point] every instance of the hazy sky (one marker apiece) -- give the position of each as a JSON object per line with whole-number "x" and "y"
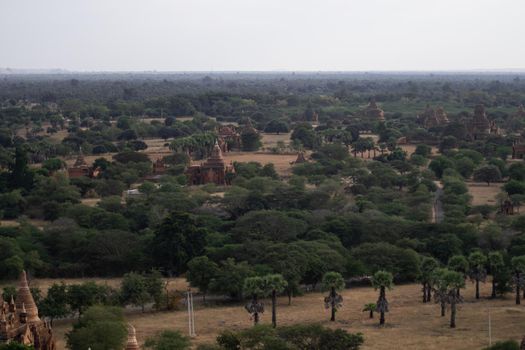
{"x": 205, "y": 35}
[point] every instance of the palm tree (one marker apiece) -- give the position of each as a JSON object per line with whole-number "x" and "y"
{"x": 274, "y": 284}
{"x": 254, "y": 286}
{"x": 518, "y": 264}
{"x": 477, "y": 272}
{"x": 496, "y": 263}
{"x": 459, "y": 264}
{"x": 371, "y": 307}
{"x": 382, "y": 280}
{"x": 334, "y": 282}
{"x": 427, "y": 267}
{"x": 453, "y": 281}
{"x": 439, "y": 288}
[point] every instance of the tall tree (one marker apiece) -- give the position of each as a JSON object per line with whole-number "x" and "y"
{"x": 488, "y": 174}
{"x": 177, "y": 241}
{"x": 201, "y": 270}
{"x": 477, "y": 269}
{"x": 99, "y": 328}
{"x": 382, "y": 280}
{"x": 427, "y": 266}
{"x": 440, "y": 289}
{"x": 133, "y": 290}
{"x": 454, "y": 281}
{"x": 518, "y": 265}
{"x": 274, "y": 284}
{"x": 459, "y": 264}
{"x": 496, "y": 264}
{"x": 334, "y": 282}
{"x": 254, "y": 286}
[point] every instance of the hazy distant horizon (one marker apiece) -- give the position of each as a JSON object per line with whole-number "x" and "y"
{"x": 263, "y": 36}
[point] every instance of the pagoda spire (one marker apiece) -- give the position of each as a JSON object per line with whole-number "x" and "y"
{"x": 24, "y": 299}
{"x": 132, "y": 343}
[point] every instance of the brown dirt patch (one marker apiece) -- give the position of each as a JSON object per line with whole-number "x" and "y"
{"x": 270, "y": 140}
{"x": 483, "y": 194}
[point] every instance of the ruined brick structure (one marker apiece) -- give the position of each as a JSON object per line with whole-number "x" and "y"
{"x": 213, "y": 170}
{"x": 229, "y": 138}
{"x": 479, "y": 127}
{"x": 518, "y": 150}
{"x": 19, "y": 321}
{"x": 373, "y": 112}
{"x": 81, "y": 168}
{"x": 432, "y": 118}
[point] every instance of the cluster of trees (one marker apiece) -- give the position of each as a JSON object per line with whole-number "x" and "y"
{"x": 138, "y": 290}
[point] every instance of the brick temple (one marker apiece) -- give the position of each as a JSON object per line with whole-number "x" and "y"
{"x": 213, "y": 170}
{"x": 19, "y": 321}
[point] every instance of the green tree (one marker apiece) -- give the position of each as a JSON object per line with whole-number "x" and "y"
{"x": 459, "y": 264}
{"x": 167, "y": 340}
{"x": 370, "y": 308}
{"x": 453, "y": 281}
{"x": 250, "y": 140}
{"x": 99, "y": 328}
{"x": 230, "y": 278}
{"x": 255, "y": 287}
{"x": 488, "y": 174}
{"x": 177, "y": 241}
{"x": 55, "y": 304}
{"x": 334, "y": 282}
{"x": 276, "y": 126}
{"x": 201, "y": 270}
{"x": 82, "y": 296}
{"x": 274, "y": 284}
{"x": 133, "y": 290}
{"x": 496, "y": 264}
{"x": 518, "y": 265}
{"x": 477, "y": 271}
{"x": 382, "y": 280}
{"x": 427, "y": 267}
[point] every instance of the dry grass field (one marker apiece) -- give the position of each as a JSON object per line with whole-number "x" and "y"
{"x": 280, "y": 161}
{"x": 270, "y": 140}
{"x": 411, "y": 325}
{"x": 483, "y": 194}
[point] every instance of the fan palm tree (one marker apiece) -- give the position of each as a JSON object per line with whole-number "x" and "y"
{"x": 427, "y": 267}
{"x": 274, "y": 284}
{"x": 370, "y": 308}
{"x": 254, "y": 286}
{"x": 477, "y": 271}
{"x": 518, "y": 264}
{"x": 496, "y": 263}
{"x": 453, "y": 281}
{"x": 382, "y": 280}
{"x": 440, "y": 289}
{"x": 459, "y": 264}
{"x": 334, "y": 282}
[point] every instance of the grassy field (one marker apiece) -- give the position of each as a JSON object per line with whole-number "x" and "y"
{"x": 483, "y": 194}
{"x": 410, "y": 324}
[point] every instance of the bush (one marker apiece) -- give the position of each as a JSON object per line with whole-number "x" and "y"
{"x": 504, "y": 345}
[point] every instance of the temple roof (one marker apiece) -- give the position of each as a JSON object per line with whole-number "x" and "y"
{"x": 24, "y": 299}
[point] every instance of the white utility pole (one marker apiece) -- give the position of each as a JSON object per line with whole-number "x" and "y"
{"x": 191, "y": 314}
{"x": 490, "y": 329}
